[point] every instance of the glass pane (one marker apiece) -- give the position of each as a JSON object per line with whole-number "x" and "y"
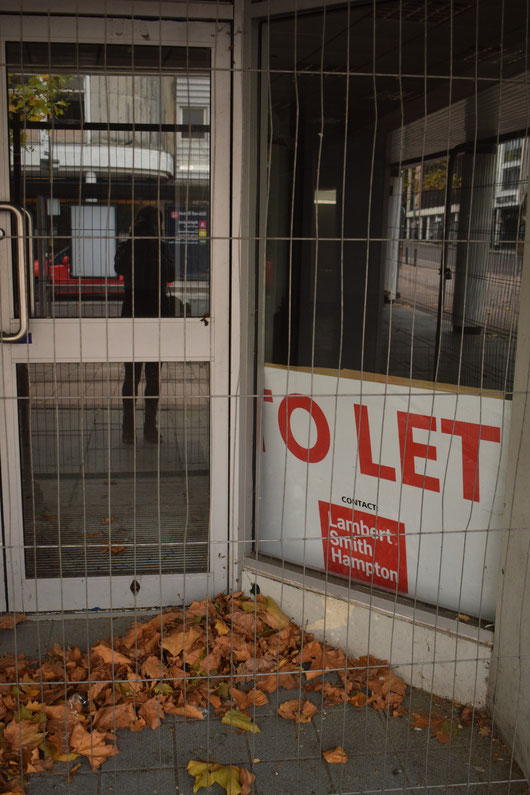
{"x": 101, "y": 495}
{"x": 91, "y": 146}
{"x": 423, "y": 286}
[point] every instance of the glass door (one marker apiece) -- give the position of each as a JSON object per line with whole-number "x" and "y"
{"x": 115, "y": 146}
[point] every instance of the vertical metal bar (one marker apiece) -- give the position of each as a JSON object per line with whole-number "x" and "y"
{"x": 45, "y": 283}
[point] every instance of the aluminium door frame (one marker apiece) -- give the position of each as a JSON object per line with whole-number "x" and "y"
{"x": 119, "y": 337}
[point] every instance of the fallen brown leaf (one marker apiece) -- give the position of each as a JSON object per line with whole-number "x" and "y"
{"x": 336, "y": 756}
{"x": 235, "y": 780}
{"x": 9, "y": 620}
{"x": 176, "y": 642}
{"x": 359, "y": 699}
{"x": 466, "y": 716}
{"x": 114, "y": 549}
{"x": 109, "y": 655}
{"x": 257, "y": 697}
{"x": 424, "y": 720}
{"x": 116, "y": 716}
{"x": 92, "y": 745}
{"x": 189, "y": 711}
{"x": 24, "y": 734}
{"x": 151, "y": 711}
{"x": 301, "y": 712}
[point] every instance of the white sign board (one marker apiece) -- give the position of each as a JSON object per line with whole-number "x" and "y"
{"x": 93, "y": 240}
{"x": 393, "y": 486}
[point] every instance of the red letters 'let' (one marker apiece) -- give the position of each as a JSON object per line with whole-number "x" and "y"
{"x": 472, "y": 433}
{"x": 368, "y": 467}
{"x": 410, "y": 449}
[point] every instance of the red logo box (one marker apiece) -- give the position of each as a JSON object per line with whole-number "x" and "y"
{"x": 364, "y": 547}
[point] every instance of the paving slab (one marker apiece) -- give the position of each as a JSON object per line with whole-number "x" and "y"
{"x": 506, "y": 788}
{"x": 147, "y": 749}
{"x": 365, "y": 772}
{"x": 356, "y": 730}
{"x": 59, "y": 784}
{"x": 209, "y": 740}
{"x": 445, "y": 765}
{"x": 31, "y": 638}
{"x": 281, "y": 740}
{"x": 145, "y": 782}
{"x": 307, "y": 777}
{"x": 492, "y": 762}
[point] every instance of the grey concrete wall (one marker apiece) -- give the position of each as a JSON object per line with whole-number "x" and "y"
{"x": 509, "y": 696}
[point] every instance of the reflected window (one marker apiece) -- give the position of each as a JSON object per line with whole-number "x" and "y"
{"x": 191, "y": 117}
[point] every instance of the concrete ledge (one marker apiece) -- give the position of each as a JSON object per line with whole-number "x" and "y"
{"x": 432, "y": 652}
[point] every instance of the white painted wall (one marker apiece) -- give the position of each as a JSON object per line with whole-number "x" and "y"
{"x": 509, "y": 695}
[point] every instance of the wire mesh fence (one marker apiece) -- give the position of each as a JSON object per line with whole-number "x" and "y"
{"x": 264, "y": 440}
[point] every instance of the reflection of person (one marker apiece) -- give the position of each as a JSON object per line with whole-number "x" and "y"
{"x": 144, "y": 263}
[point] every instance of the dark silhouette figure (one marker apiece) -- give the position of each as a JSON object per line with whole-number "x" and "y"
{"x": 143, "y": 261}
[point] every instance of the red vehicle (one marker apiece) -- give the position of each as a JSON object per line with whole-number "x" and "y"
{"x": 64, "y": 284}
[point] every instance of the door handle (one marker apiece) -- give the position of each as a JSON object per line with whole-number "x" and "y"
{"x": 21, "y": 268}
{"x": 30, "y": 260}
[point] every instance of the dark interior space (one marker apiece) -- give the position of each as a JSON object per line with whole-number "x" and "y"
{"x": 359, "y": 74}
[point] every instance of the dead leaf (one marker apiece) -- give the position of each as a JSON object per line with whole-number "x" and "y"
{"x": 273, "y": 616}
{"x": 301, "y": 712}
{"x": 240, "y": 721}
{"x": 92, "y": 745}
{"x": 110, "y": 655}
{"x": 462, "y": 617}
{"x": 176, "y": 642}
{"x": 269, "y": 684}
{"x": 189, "y": 711}
{"x": 151, "y": 711}
{"x": 221, "y": 628}
{"x": 215, "y": 701}
{"x": 399, "y": 711}
{"x": 359, "y": 699}
{"x": 48, "y": 517}
{"x": 154, "y": 668}
{"x": 235, "y": 780}
{"x": 239, "y": 697}
{"x": 466, "y": 716}
{"x": 337, "y": 756}
{"x": 9, "y": 620}
{"x": 114, "y": 549}
{"x": 117, "y": 716}
{"x": 422, "y": 720}
{"x": 25, "y": 734}
{"x": 108, "y": 519}
{"x": 245, "y": 779}
{"x": 257, "y": 697}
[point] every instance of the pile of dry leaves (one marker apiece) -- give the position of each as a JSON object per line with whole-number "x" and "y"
{"x": 228, "y": 654}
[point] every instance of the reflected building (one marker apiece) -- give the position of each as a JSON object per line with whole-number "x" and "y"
{"x": 113, "y": 142}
